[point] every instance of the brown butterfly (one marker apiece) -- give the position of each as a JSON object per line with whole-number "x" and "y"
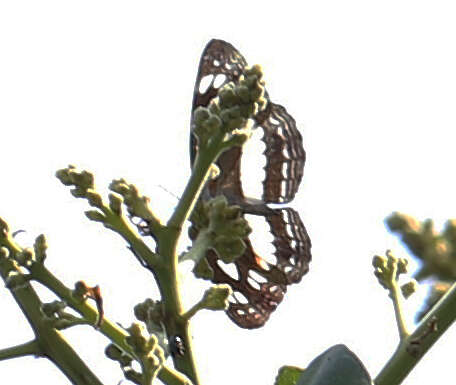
{"x": 260, "y": 283}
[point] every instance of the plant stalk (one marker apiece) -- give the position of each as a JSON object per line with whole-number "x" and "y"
{"x": 412, "y": 348}
{"x": 51, "y": 342}
{"x": 167, "y": 276}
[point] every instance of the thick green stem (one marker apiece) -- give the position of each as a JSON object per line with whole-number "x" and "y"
{"x": 176, "y": 325}
{"x": 167, "y": 276}
{"x": 201, "y": 167}
{"x": 51, "y": 343}
{"x": 27, "y": 349}
{"x": 58, "y": 350}
{"x": 412, "y": 348}
{"x": 110, "y": 329}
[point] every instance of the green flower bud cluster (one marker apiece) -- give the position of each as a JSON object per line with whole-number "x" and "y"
{"x": 53, "y": 309}
{"x": 436, "y": 251}
{"x": 388, "y": 269}
{"x": 137, "y": 205}
{"x": 147, "y": 349}
{"x": 141, "y": 344}
{"x": 25, "y": 257}
{"x": 222, "y": 228}
{"x": 152, "y": 314}
{"x": 216, "y": 298}
{"x": 82, "y": 181}
{"x": 150, "y": 311}
{"x": 236, "y": 103}
{"x": 54, "y": 313}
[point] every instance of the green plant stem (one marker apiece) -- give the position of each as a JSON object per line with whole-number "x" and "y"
{"x": 404, "y": 358}
{"x": 51, "y": 342}
{"x": 118, "y": 224}
{"x": 167, "y": 276}
{"x": 192, "y": 311}
{"x": 108, "y": 328}
{"x": 201, "y": 167}
{"x": 26, "y": 349}
{"x": 398, "y": 299}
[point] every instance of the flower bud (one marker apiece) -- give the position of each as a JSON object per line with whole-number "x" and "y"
{"x": 64, "y": 176}
{"x": 216, "y": 298}
{"x": 213, "y": 123}
{"x": 94, "y": 198}
{"x": 379, "y": 262}
{"x": 24, "y": 257}
{"x": 40, "y": 247}
{"x": 402, "y": 264}
{"x": 95, "y": 215}
{"x": 115, "y": 204}
{"x": 203, "y": 270}
{"x": 229, "y": 249}
{"x": 409, "y": 288}
{"x": 243, "y": 93}
{"x": 113, "y": 352}
{"x": 228, "y": 97}
{"x": 254, "y": 70}
{"x": 200, "y": 115}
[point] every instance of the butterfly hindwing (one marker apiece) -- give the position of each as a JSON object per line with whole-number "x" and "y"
{"x": 285, "y": 156}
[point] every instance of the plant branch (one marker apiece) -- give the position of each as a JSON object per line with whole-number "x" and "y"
{"x": 387, "y": 271}
{"x": 51, "y": 343}
{"x": 108, "y": 328}
{"x": 398, "y": 302}
{"x": 412, "y": 348}
{"x": 205, "y": 157}
{"x": 167, "y": 276}
{"x": 26, "y": 349}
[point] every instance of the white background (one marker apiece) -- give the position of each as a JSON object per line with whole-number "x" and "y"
{"x": 107, "y": 86}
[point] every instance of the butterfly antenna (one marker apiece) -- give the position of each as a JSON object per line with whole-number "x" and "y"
{"x": 18, "y": 232}
{"x": 169, "y": 192}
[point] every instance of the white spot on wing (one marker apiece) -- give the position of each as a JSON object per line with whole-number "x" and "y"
{"x": 219, "y": 80}
{"x": 205, "y": 83}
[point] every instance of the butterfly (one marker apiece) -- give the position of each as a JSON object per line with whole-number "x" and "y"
{"x": 261, "y": 282}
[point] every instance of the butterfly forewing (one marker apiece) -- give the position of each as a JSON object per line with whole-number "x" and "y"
{"x": 260, "y": 282}
{"x": 219, "y": 59}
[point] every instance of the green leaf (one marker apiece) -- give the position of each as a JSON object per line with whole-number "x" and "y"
{"x": 336, "y": 366}
{"x": 288, "y": 375}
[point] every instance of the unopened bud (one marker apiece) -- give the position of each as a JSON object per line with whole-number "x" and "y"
{"x": 94, "y": 198}
{"x": 216, "y": 298}
{"x": 95, "y": 215}
{"x": 409, "y": 288}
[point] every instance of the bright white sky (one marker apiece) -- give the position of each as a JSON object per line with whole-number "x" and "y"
{"x": 107, "y": 86}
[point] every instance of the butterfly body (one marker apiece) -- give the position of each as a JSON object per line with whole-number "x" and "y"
{"x": 261, "y": 284}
